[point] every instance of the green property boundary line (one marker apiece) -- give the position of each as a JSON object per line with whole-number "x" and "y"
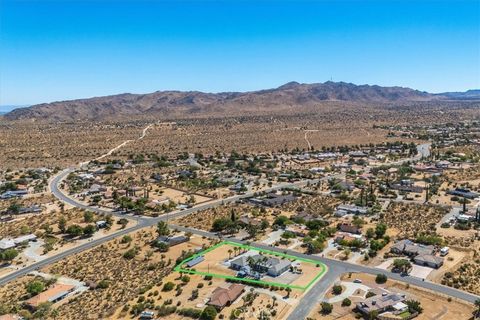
{"x": 324, "y": 268}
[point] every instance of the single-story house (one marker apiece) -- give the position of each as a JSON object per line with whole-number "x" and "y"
{"x": 350, "y": 228}
{"x": 13, "y": 194}
{"x": 96, "y": 188}
{"x": 275, "y": 200}
{"x": 195, "y": 261}
{"x": 25, "y": 238}
{"x": 428, "y": 260}
{"x": 465, "y": 193}
{"x": 54, "y": 294}
{"x": 6, "y": 244}
{"x": 410, "y": 248}
{"x": 171, "y": 241}
{"x": 263, "y": 264}
{"x": 340, "y": 237}
{"x": 32, "y": 209}
{"x": 222, "y": 297}
{"x": 352, "y": 209}
{"x": 391, "y": 302}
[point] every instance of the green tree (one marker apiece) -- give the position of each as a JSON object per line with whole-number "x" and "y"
{"x": 35, "y": 287}
{"x": 89, "y": 230}
{"x": 88, "y": 216}
{"x": 209, "y": 313}
{"x": 380, "y": 278}
{"x": 403, "y": 265}
{"x": 380, "y": 230}
{"x": 370, "y": 233}
{"x": 14, "y": 208}
{"x": 162, "y": 229}
{"x": 74, "y": 230}
{"x": 62, "y": 224}
{"x": 222, "y": 224}
{"x": 414, "y": 306}
{"x": 8, "y": 255}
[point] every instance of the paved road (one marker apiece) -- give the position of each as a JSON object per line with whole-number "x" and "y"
{"x": 343, "y": 266}
{"x": 313, "y": 295}
{"x": 66, "y": 253}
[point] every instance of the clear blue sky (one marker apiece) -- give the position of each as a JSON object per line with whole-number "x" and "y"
{"x": 57, "y": 50}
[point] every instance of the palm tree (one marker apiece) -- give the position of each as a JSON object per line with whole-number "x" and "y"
{"x": 229, "y": 253}
{"x": 288, "y": 292}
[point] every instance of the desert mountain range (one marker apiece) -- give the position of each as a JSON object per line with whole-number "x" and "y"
{"x": 177, "y": 103}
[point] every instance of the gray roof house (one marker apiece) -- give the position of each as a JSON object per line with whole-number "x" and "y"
{"x": 428, "y": 260}
{"x": 171, "y": 241}
{"x": 269, "y": 265}
{"x": 410, "y": 248}
{"x": 380, "y": 304}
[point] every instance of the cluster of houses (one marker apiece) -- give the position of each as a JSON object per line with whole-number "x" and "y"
{"x": 423, "y": 255}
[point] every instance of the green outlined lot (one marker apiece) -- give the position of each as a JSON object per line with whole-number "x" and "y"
{"x": 322, "y": 268}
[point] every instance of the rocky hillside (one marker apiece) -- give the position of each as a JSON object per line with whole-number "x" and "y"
{"x": 177, "y": 103}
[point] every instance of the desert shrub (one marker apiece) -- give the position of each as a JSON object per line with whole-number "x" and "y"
{"x": 130, "y": 254}
{"x": 327, "y": 308}
{"x": 346, "y": 302}
{"x": 168, "y": 286}
{"x": 190, "y": 312}
{"x": 337, "y": 289}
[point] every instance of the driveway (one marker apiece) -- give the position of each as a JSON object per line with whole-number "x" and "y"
{"x": 33, "y": 250}
{"x": 273, "y": 237}
{"x": 420, "y": 271}
{"x": 350, "y": 288}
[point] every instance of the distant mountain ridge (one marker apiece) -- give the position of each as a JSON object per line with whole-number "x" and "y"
{"x": 467, "y": 95}
{"x": 195, "y": 102}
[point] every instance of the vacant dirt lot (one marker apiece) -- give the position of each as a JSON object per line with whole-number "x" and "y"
{"x": 410, "y": 219}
